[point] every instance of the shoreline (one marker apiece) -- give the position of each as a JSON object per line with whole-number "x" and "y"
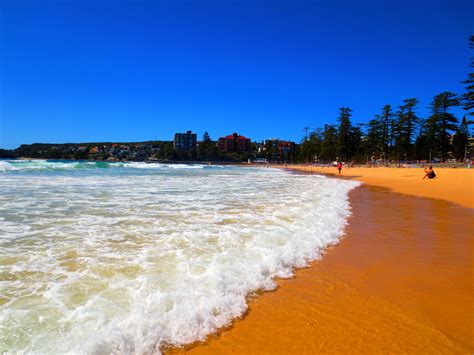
{"x": 392, "y": 284}
{"x": 451, "y": 184}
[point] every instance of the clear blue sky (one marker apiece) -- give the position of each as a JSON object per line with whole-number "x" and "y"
{"x": 110, "y": 70}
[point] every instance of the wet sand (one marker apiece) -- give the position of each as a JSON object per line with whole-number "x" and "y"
{"x": 401, "y": 281}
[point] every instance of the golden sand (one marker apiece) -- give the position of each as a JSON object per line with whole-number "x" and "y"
{"x": 401, "y": 281}
{"x": 450, "y": 184}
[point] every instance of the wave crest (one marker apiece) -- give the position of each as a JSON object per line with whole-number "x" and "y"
{"x": 51, "y": 165}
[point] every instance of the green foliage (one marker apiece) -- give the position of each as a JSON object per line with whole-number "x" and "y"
{"x": 205, "y": 137}
{"x": 407, "y": 125}
{"x": 460, "y": 140}
{"x": 385, "y": 121}
{"x": 374, "y": 141}
{"x": 270, "y": 150}
{"x": 441, "y": 123}
{"x": 391, "y": 136}
{"x": 142, "y": 151}
{"x": 207, "y": 149}
{"x": 379, "y": 137}
{"x": 328, "y": 152}
{"x": 345, "y": 148}
{"x": 467, "y": 98}
{"x": 5, "y": 153}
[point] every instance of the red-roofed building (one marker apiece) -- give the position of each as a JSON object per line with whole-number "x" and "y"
{"x": 286, "y": 149}
{"x": 234, "y": 143}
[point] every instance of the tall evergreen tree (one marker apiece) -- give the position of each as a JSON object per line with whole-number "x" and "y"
{"x": 407, "y": 125}
{"x": 344, "y": 139}
{"x": 385, "y": 120}
{"x": 431, "y": 132}
{"x": 271, "y": 152}
{"x": 207, "y": 150}
{"x": 460, "y": 140}
{"x": 380, "y": 131}
{"x": 468, "y": 97}
{"x": 422, "y": 146}
{"x": 374, "y": 141}
{"x": 441, "y": 123}
{"x": 355, "y": 141}
{"x": 393, "y": 136}
{"x": 316, "y": 139}
{"x": 398, "y": 134}
{"x": 329, "y": 143}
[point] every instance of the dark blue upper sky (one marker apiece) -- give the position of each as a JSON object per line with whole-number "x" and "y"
{"x": 110, "y": 70}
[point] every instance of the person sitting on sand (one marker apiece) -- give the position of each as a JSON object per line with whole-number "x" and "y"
{"x": 339, "y": 167}
{"x": 429, "y": 173}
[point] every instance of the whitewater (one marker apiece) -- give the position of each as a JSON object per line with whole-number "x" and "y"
{"x": 100, "y": 257}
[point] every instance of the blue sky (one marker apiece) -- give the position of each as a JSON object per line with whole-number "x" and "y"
{"x": 110, "y": 70}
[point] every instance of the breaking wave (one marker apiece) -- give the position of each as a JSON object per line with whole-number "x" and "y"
{"x": 38, "y": 165}
{"x": 132, "y": 261}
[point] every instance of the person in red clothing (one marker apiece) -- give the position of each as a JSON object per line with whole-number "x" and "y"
{"x": 339, "y": 167}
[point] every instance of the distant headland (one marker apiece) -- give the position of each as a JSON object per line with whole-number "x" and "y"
{"x": 185, "y": 148}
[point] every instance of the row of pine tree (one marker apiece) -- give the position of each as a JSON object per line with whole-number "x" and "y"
{"x": 398, "y": 134}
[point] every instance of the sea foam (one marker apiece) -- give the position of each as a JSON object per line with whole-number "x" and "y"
{"x": 129, "y": 260}
{"x": 51, "y": 165}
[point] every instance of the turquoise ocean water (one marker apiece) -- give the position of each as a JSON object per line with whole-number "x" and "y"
{"x": 100, "y": 257}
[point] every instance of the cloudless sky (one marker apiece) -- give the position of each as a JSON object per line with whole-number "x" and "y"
{"x": 134, "y": 70}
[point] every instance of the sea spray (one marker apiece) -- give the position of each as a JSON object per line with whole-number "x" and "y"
{"x": 130, "y": 258}
{"x": 56, "y": 165}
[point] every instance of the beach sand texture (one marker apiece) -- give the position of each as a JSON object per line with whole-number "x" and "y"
{"x": 451, "y": 184}
{"x": 401, "y": 281}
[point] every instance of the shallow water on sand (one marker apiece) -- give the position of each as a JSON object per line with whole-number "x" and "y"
{"x": 127, "y": 257}
{"x": 401, "y": 281}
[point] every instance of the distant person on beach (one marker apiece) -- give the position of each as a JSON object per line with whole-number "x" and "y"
{"x": 339, "y": 167}
{"x": 429, "y": 173}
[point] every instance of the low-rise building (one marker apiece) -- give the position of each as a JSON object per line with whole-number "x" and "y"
{"x": 234, "y": 143}
{"x": 278, "y": 150}
{"x": 285, "y": 148}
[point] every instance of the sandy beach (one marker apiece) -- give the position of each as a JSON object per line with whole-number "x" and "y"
{"x": 400, "y": 281}
{"x": 451, "y": 184}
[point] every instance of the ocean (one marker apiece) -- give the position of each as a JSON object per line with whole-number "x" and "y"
{"x": 99, "y": 257}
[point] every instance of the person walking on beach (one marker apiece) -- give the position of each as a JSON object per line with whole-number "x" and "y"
{"x": 339, "y": 167}
{"x": 429, "y": 173}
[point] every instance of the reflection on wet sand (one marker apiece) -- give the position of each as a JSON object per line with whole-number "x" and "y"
{"x": 402, "y": 280}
